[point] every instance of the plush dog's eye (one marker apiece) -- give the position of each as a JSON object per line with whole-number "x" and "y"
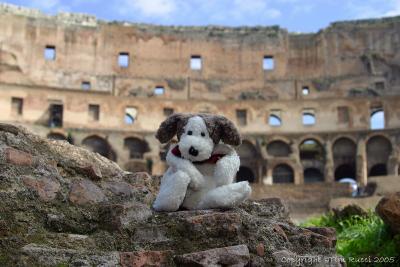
{"x": 203, "y": 134}
{"x": 189, "y": 132}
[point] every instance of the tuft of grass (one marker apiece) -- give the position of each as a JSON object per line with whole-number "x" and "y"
{"x": 361, "y": 237}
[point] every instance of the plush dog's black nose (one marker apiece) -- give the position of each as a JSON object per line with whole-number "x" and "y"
{"x": 193, "y": 151}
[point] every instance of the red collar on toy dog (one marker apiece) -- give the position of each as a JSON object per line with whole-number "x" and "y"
{"x": 212, "y": 160}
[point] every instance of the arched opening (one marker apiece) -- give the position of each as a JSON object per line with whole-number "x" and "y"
{"x": 345, "y": 171}
{"x": 344, "y": 157}
{"x": 278, "y": 149}
{"x": 99, "y": 145}
{"x": 282, "y": 173}
{"x": 378, "y": 170}
{"x": 249, "y": 158}
{"x": 312, "y": 156}
{"x": 274, "y": 120}
{"x": 136, "y": 147}
{"x": 313, "y": 175}
{"x": 245, "y": 174}
{"x": 311, "y": 149}
{"x": 56, "y": 136}
{"x": 129, "y": 119}
{"x": 377, "y": 119}
{"x": 247, "y": 150}
{"x": 379, "y": 150}
{"x": 308, "y": 118}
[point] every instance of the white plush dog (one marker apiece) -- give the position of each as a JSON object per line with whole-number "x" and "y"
{"x": 201, "y": 169}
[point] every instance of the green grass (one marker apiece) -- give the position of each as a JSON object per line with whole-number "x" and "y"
{"x": 362, "y": 237}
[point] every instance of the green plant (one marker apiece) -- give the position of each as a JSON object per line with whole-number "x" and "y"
{"x": 362, "y": 238}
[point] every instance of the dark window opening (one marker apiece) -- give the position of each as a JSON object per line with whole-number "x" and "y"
{"x": 278, "y": 149}
{"x": 241, "y": 116}
{"x": 378, "y": 170}
{"x": 50, "y": 52}
{"x": 56, "y": 115}
{"x": 313, "y": 175}
{"x": 168, "y": 112}
{"x": 17, "y": 106}
{"x": 94, "y": 112}
{"x": 345, "y": 171}
{"x": 245, "y": 174}
{"x": 136, "y": 147}
{"x": 282, "y": 174}
{"x": 123, "y": 60}
{"x": 268, "y": 63}
{"x": 86, "y": 85}
{"x": 310, "y": 149}
{"x": 99, "y": 145}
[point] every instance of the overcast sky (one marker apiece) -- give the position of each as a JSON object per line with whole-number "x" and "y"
{"x": 295, "y": 15}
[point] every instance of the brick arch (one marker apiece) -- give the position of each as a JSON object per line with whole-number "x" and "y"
{"x": 250, "y": 161}
{"x": 100, "y": 145}
{"x": 311, "y": 136}
{"x": 278, "y": 148}
{"x": 283, "y": 173}
{"x": 379, "y": 148}
{"x": 137, "y": 147}
{"x": 352, "y": 138}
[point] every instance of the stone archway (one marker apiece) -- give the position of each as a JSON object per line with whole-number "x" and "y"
{"x": 282, "y": 173}
{"x": 136, "y": 147}
{"x": 278, "y": 148}
{"x": 345, "y": 171}
{"x": 344, "y": 157}
{"x": 312, "y": 157}
{"x": 99, "y": 145}
{"x": 249, "y": 159}
{"x": 379, "y": 149}
{"x": 313, "y": 175}
{"x": 245, "y": 174}
{"x": 379, "y": 169}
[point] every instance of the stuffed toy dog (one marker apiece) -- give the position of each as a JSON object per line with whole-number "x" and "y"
{"x": 201, "y": 169}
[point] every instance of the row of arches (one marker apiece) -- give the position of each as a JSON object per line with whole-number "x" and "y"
{"x": 313, "y": 159}
{"x": 135, "y": 146}
{"x": 311, "y": 151}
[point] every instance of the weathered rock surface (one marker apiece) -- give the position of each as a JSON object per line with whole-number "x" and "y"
{"x": 389, "y": 210}
{"x": 62, "y": 205}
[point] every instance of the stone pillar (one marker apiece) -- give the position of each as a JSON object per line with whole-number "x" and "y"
{"x": 362, "y": 166}
{"x": 329, "y": 164}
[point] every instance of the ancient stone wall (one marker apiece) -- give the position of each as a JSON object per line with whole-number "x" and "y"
{"x": 108, "y": 85}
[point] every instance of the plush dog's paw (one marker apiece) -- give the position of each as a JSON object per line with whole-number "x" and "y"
{"x": 196, "y": 182}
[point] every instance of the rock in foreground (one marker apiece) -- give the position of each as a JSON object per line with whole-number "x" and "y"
{"x": 389, "y": 210}
{"x": 61, "y": 205}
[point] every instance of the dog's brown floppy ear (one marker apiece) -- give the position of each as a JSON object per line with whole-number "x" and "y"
{"x": 229, "y": 133}
{"x": 171, "y": 126}
{"x": 220, "y": 128}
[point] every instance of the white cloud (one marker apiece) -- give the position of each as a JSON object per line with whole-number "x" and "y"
{"x": 149, "y": 8}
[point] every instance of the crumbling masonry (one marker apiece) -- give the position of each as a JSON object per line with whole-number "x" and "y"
{"x": 303, "y": 102}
